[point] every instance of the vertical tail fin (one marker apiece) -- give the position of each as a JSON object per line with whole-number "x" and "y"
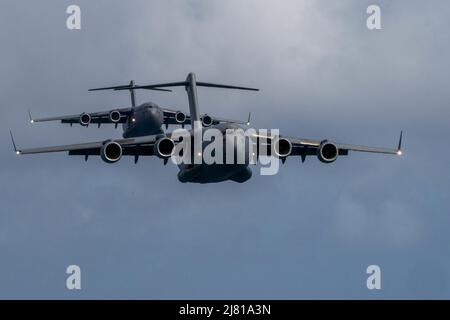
{"x": 132, "y": 94}
{"x": 191, "y": 89}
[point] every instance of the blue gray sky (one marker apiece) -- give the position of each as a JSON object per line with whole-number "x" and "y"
{"x": 309, "y": 231}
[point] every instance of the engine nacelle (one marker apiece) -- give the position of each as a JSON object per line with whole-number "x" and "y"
{"x": 207, "y": 120}
{"x": 180, "y": 117}
{"x": 327, "y": 152}
{"x": 282, "y": 147}
{"x": 85, "y": 119}
{"x": 111, "y": 152}
{"x": 115, "y": 116}
{"x": 164, "y": 148}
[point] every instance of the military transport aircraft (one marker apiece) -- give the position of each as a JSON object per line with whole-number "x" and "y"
{"x": 162, "y": 145}
{"x": 145, "y": 119}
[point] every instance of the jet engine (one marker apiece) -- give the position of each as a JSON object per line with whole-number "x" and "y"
{"x": 115, "y": 116}
{"x": 327, "y": 152}
{"x": 207, "y": 120}
{"x": 180, "y": 117}
{"x": 164, "y": 148}
{"x": 85, "y": 119}
{"x": 111, "y": 152}
{"x": 282, "y": 147}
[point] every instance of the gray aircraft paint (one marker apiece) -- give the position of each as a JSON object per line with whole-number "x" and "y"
{"x": 148, "y": 117}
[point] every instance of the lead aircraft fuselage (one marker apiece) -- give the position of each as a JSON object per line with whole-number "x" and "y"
{"x": 148, "y": 118}
{"x": 218, "y": 172}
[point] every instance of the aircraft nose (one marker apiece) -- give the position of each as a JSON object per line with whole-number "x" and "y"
{"x": 150, "y": 110}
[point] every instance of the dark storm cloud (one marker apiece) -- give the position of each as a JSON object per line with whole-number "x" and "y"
{"x": 308, "y": 232}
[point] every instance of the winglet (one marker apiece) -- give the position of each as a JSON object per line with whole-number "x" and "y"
{"x": 248, "y": 120}
{"x": 399, "y": 148}
{"x": 29, "y": 115}
{"x": 17, "y": 151}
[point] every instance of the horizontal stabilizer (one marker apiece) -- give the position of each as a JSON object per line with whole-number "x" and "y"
{"x": 184, "y": 84}
{"x": 224, "y": 86}
{"x": 126, "y": 87}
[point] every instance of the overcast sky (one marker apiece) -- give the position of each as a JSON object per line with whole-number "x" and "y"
{"x": 309, "y": 231}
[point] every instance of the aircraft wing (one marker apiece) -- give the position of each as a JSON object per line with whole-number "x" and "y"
{"x": 171, "y": 117}
{"x": 140, "y": 146}
{"x": 114, "y": 116}
{"x": 217, "y": 120}
{"x": 343, "y": 147}
{"x": 308, "y": 147}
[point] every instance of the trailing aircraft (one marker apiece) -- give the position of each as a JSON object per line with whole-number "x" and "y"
{"x": 138, "y": 120}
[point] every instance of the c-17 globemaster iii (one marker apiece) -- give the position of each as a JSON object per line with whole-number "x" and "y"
{"x": 139, "y": 143}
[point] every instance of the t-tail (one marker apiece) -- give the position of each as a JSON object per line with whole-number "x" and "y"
{"x": 190, "y": 85}
{"x": 131, "y": 87}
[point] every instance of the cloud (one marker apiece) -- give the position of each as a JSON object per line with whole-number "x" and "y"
{"x": 322, "y": 74}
